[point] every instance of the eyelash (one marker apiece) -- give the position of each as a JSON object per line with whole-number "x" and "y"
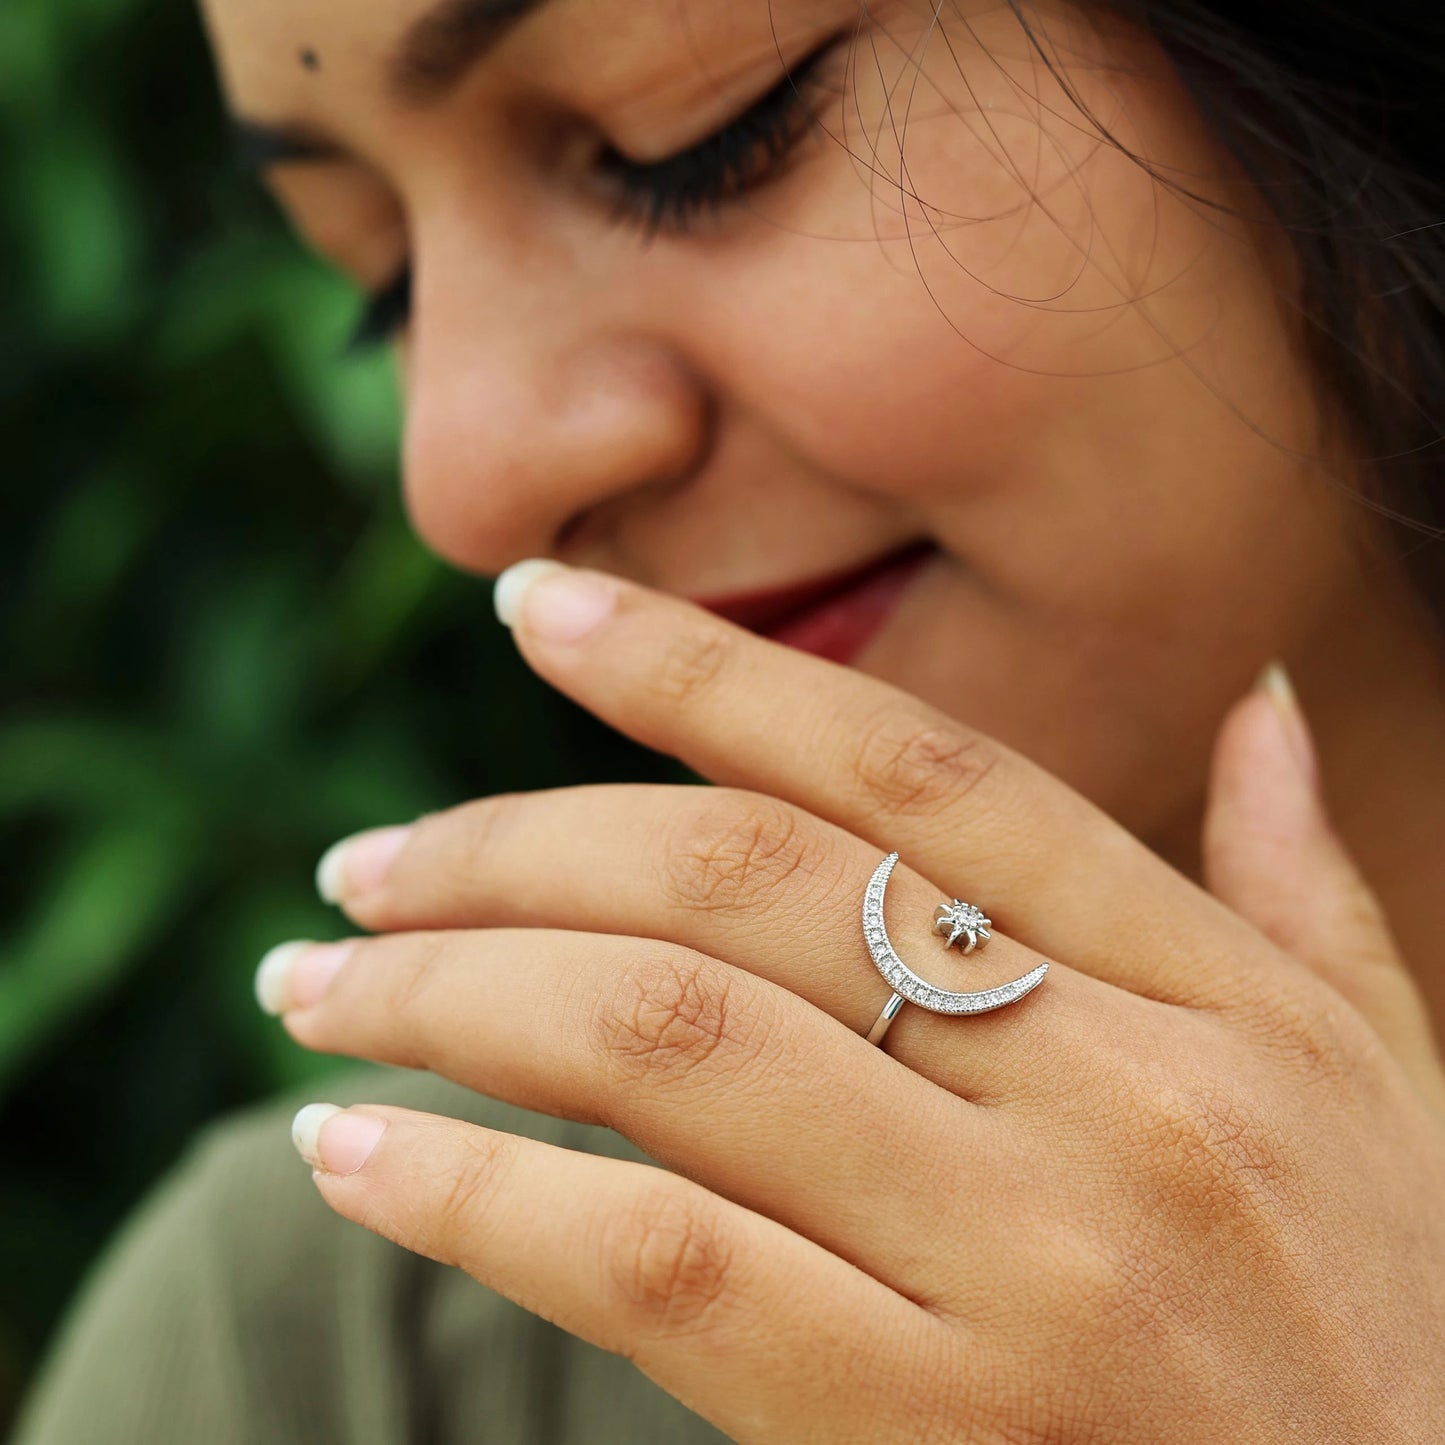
{"x": 670, "y": 194}
{"x": 673, "y": 193}
{"x": 384, "y": 314}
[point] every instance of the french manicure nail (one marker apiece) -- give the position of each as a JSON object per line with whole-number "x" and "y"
{"x": 335, "y": 1140}
{"x": 273, "y": 976}
{"x": 1275, "y": 681}
{"x": 551, "y": 602}
{"x": 512, "y": 585}
{"x": 358, "y": 864}
{"x": 297, "y": 975}
{"x": 313, "y": 970}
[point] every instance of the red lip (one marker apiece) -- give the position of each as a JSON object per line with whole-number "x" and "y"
{"x": 833, "y": 616}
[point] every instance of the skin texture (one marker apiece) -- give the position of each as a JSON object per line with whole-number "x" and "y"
{"x": 1083, "y": 387}
{"x": 1004, "y": 337}
{"x": 1184, "y": 1190}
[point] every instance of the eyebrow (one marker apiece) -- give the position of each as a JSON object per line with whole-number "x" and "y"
{"x": 437, "y": 50}
{"x": 444, "y": 43}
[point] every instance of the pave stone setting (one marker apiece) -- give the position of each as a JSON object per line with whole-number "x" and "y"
{"x": 907, "y": 984}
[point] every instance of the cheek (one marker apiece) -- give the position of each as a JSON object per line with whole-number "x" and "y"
{"x": 1088, "y": 394}
{"x": 1084, "y": 382}
{"x": 1119, "y": 487}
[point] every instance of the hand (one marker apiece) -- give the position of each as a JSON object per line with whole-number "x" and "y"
{"x": 1187, "y": 1189}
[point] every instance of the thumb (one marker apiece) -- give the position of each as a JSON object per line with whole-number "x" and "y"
{"x": 1271, "y": 853}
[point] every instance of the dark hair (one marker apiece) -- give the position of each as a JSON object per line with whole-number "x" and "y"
{"x": 1335, "y": 110}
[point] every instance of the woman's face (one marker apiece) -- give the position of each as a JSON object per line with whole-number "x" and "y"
{"x": 920, "y": 301}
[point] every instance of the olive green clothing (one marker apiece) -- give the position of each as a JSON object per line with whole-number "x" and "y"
{"x": 236, "y": 1307}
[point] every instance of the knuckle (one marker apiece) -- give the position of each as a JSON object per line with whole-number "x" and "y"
{"x": 1223, "y": 1152}
{"x": 1324, "y": 1045}
{"x": 464, "y": 841}
{"x": 1300, "y": 1023}
{"x": 474, "y": 1175}
{"x": 422, "y": 961}
{"x": 912, "y": 763}
{"x": 1111, "y": 1287}
{"x": 669, "y": 1259}
{"x": 689, "y": 663}
{"x": 666, "y": 1015}
{"x": 735, "y": 850}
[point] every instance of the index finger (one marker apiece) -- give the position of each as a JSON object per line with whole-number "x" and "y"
{"x": 1045, "y": 863}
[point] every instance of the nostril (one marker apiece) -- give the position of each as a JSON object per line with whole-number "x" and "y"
{"x": 571, "y": 528}
{"x": 600, "y": 520}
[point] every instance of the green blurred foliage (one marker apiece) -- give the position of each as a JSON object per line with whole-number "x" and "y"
{"x": 223, "y": 649}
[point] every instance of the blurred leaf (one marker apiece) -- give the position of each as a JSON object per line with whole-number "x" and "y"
{"x": 223, "y": 648}
{"x": 116, "y": 890}
{"x": 80, "y": 765}
{"x": 305, "y": 312}
{"x": 93, "y": 537}
{"x": 244, "y": 673}
{"x": 385, "y": 586}
{"x": 85, "y": 231}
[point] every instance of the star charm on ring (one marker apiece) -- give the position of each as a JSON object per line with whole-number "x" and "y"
{"x": 907, "y": 985}
{"x": 960, "y": 918}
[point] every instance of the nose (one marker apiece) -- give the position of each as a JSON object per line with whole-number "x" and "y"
{"x": 542, "y": 401}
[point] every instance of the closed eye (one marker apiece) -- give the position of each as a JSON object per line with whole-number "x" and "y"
{"x": 674, "y": 192}
{"x": 668, "y": 194}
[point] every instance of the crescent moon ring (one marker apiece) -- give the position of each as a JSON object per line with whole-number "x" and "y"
{"x": 907, "y": 985}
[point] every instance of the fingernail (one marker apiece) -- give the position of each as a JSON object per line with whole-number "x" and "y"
{"x": 273, "y": 976}
{"x": 297, "y": 975}
{"x": 552, "y": 602}
{"x": 1274, "y": 681}
{"x": 335, "y": 1140}
{"x": 512, "y": 585}
{"x": 358, "y": 864}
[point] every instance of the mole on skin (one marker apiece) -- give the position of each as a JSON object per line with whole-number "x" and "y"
{"x": 310, "y": 59}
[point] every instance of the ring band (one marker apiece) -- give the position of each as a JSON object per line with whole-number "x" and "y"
{"x": 960, "y": 919}
{"x": 890, "y": 1012}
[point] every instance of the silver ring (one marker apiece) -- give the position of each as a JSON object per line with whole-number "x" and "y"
{"x": 958, "y": 919}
